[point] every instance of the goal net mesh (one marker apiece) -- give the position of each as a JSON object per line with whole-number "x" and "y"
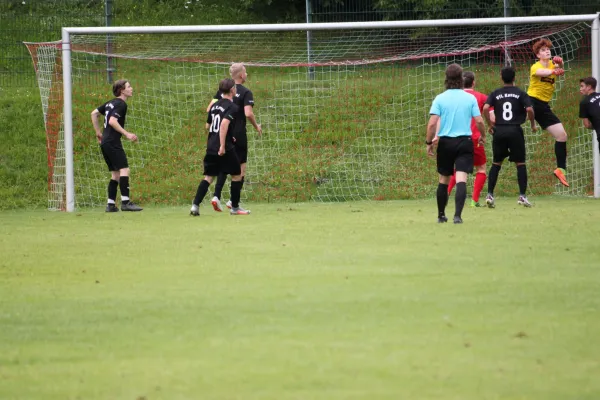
{"x": 344, "y": 112}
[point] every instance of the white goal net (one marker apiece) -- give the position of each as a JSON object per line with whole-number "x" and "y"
{"x": 343, "y": 114}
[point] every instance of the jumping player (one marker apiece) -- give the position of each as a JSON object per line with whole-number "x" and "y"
{"x": 542, "y": 78}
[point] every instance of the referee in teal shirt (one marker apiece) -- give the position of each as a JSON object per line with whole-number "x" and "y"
{"x": 454, "y": 109}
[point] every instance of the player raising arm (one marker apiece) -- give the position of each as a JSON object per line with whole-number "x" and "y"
{"x": 454, "y": 109}
{"x": 589, "y": 108}
{"x": 220, "y": 151}
{"x": 511, "y": 106}
{"x": 542, "y": 78}
{"x": 114, "y": 113}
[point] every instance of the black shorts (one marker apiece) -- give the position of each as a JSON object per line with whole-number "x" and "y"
{"x": 543, "y": 113}
{"x": 114, "y": 155}
{"x": 228, "y": 164}
{"x": 455, "y": 152}
{"x": 508, "y": 141}
{"x": 242, "y": 153}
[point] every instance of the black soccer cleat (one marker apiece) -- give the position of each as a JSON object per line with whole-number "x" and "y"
{"x": 442, "y": 219}
{"x": 112, "y": 208}
{"x": 195, "y": 213}
{"x": 130, "y": 207}
{"x": 458, "y": 220}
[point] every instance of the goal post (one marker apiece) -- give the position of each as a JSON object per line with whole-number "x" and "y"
{"x": 596, "y": 74}
{"x": 341, "y": 150}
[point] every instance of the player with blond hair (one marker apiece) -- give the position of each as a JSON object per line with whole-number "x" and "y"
{"x": 244, "y": 99}
{"x": 220, "y": 149}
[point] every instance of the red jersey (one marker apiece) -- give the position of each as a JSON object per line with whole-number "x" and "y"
{"x": 481, "y": 98}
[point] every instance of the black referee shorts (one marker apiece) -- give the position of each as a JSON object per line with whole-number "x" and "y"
{"x": 508, "y": 141}
{"x": 543, "y": 113}
{"x": 114, "y": 156}
{"x": 228, "y": 164}
{"x": 455, "y": 152}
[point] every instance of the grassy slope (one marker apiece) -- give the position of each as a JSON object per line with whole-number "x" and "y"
{"x": 333, "y": 138}
{"x": 23, "y": 170}
{"x": 344, "y": 301}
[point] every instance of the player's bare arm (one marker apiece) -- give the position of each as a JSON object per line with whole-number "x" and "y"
{"x": 487, "y": 114}
{"x": 431, "y": 128}
{"x": 114, "y": 122}
{"x": 96, "y": 123}
{"x": 492, "y": 117}
{"x": 558, "y": 71}
{"x": 481, "y": 127}
{"x": 436, "y": 138}
{"x": 544, "y": 72}
{"x": 531, "y": 118}
{"x": 213, "y": 101}
{"x": 250, "y": 115}
{"x": 223, "y": 135}
{"x": 587, "y": 123}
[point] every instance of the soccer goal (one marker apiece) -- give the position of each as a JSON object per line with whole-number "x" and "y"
{"x": 343, "y": 114}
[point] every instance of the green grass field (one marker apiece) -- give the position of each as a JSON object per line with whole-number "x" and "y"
{"x": 359, "y": 300}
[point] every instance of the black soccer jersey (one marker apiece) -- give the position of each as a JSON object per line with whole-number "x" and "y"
{"x": 509, "y": 104}
{"x": 590, "y": 108}
{"x": 243, "y": 98}
{"x": 221, "y": 110}
{"x": 115, "y": 108}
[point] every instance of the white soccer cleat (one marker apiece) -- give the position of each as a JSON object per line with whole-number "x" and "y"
{"x": 216, "y": 203}
{"x": 489, "y": 200}
{"x": 228, "y": 204}
{"x": 239, "y": 211}
{"x": 194, "y": 211}
{"x": 524, "y": 202}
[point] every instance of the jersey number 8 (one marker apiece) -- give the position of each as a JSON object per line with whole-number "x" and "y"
{"x": 507, "y": 113}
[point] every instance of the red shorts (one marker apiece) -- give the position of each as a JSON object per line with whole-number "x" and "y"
{"x": 479, "y": 154}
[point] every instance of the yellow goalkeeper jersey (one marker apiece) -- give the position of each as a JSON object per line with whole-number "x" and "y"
{"x": 541, "y": 87}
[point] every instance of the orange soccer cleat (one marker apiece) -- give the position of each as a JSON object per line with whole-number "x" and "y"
{"x": 560, "y": 175}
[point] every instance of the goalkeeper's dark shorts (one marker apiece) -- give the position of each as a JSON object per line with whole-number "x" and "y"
{"x": 508, "y": 141}
{"x": 543, "y": 113}
{"x": 455, "y": 153}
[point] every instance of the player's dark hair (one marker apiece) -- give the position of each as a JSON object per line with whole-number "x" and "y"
{"x": 119, "y": 86}
{"x": 590, "y": 81}
{"x": 541, "y": 43}
{"x": 508, "y": 74}
{"x": 454, "y": 77}
{"x": 226, "y": 84}
{"x": 468, "y": 79}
